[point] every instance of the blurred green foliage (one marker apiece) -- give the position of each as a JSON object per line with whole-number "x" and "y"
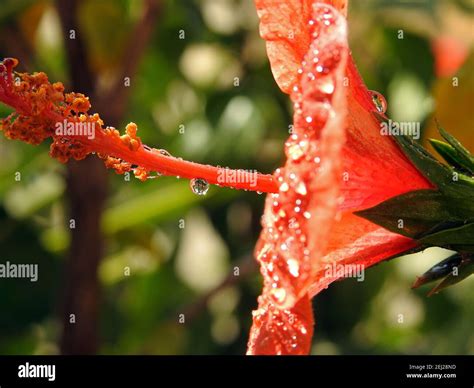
{"x": 240, "y": 122}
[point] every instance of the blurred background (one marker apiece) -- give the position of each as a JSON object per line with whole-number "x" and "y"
{"x": 152, "y": 268}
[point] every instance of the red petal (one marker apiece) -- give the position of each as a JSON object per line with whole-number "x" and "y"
{"x": 376, "y": 169}
{"x": 356, "y": 241}
{"x": 284, "y": 26}
{"x": 309, "y": 182}
{"x": 281, "y": 332}
{"x": 313, "y": 152}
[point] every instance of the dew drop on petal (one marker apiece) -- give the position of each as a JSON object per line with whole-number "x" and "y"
{"x": 199, "y": 186}
{"x": 278, "y": 294}
{"x": 282, "y": 298}
{"x": 379, "y": 101}
{"x": 297, "y": 151}
{"x": 301, "y": 188}
{"x": 327, "y": 86}
{"x": 284, "y": 187}
{"x": 164, "y": 152}
{"x": 293, "y": 267}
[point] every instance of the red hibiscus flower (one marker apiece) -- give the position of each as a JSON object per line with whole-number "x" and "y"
{"x": 338, "y": 163}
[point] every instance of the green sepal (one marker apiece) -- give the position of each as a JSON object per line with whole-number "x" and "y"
{"x": 463, "y": 156}
{"x": 424, "y": 213}
{"x": 449, "y": 154}
{"x": 460, "y": 238}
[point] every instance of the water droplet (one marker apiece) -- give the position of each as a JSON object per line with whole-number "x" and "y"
{"x": 301, "y": 188}
{"x": 282, "y": 298}
{"x": 259, "y": 193}
{"x": 284, "y": 187}
{"x": 279, "y": 294}
{"x": 156, "y": 175}
{"x": 326, "y": 86}
{"x": 293, "y": 267}
{"x": 297, "y": 150}
{"x": 379, "y": 101}
{"x": 164, "y": 152}
{"x": 199, "y": 186}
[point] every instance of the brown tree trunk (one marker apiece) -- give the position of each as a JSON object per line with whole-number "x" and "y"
{"x": 87, "y": 181}
{"x": 87, "y": 191}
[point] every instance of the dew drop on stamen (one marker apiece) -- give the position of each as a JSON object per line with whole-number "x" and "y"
{"x": 379, "y": 101}
{"x": 156, "y": 175}
{"x": 199, "y": 186}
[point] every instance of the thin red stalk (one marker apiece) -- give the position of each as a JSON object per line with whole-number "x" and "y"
{"x": 168, "y": 165}
{"x": 147, "y": 158}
